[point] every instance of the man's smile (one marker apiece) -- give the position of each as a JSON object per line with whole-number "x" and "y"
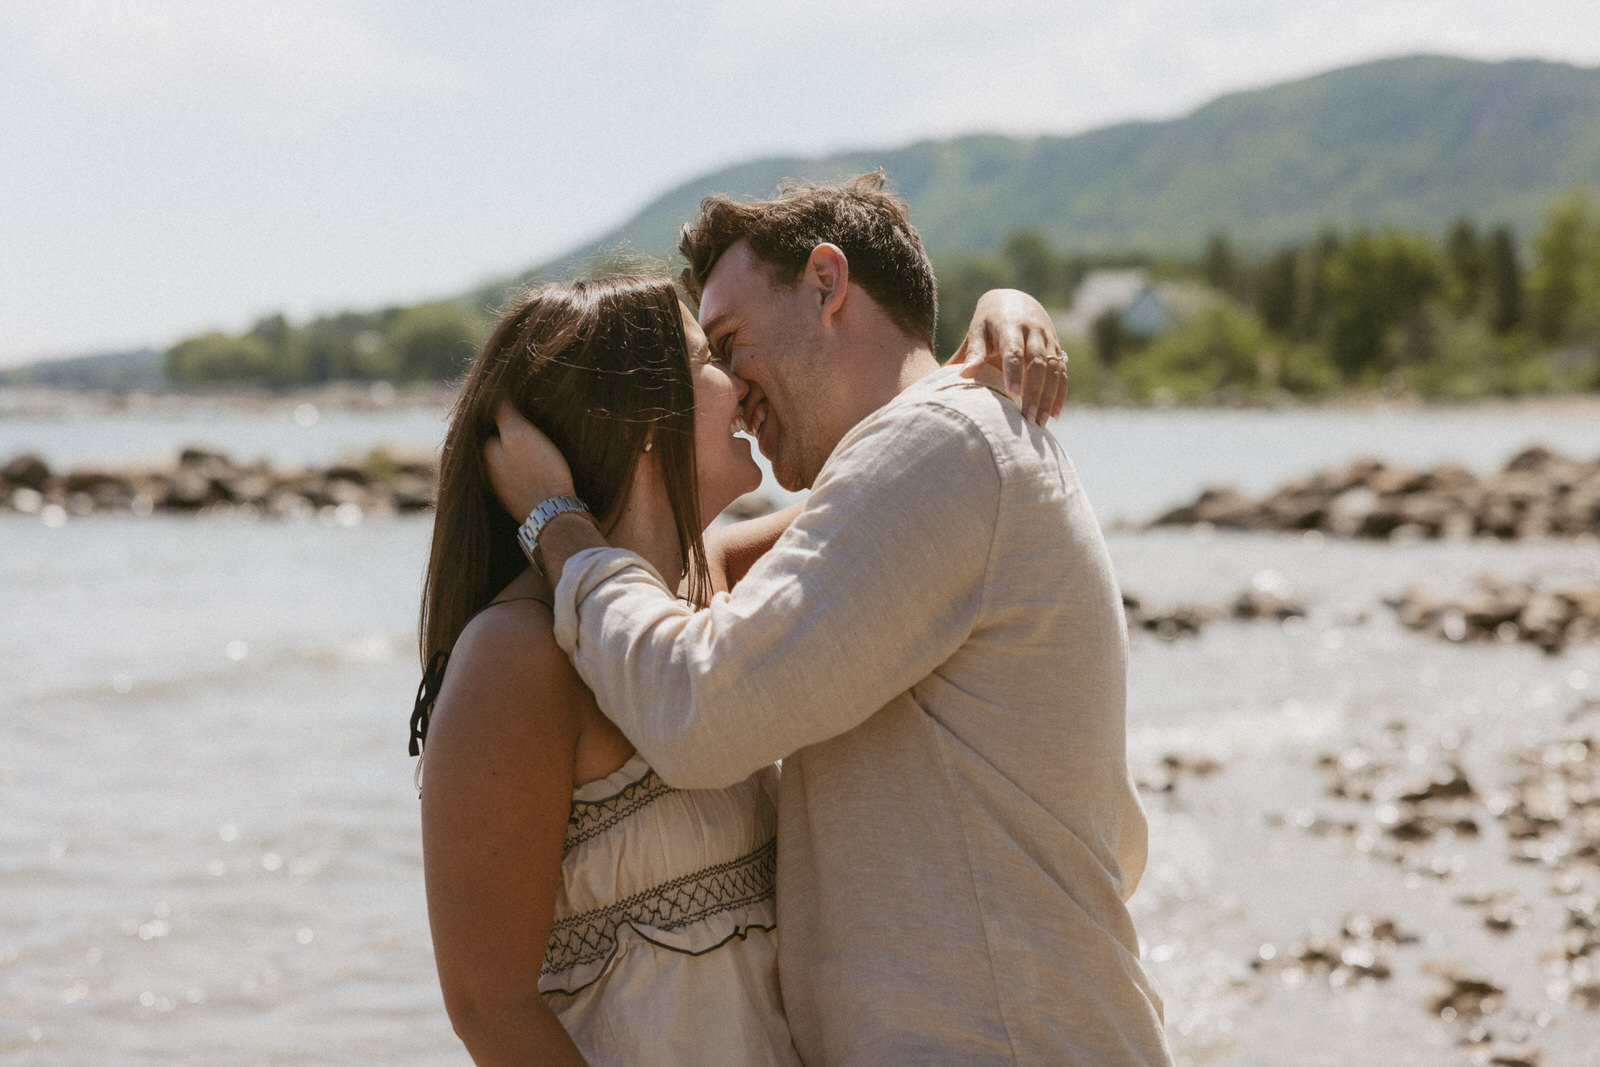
{"x": 754, "y": 416}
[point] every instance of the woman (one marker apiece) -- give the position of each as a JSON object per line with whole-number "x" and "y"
{"x": 581, "y": 910}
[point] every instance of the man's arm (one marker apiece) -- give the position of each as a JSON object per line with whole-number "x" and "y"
{"x": 878, "y": 581}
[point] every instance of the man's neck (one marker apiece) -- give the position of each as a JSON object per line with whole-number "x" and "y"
{"x": 885, "y": 373}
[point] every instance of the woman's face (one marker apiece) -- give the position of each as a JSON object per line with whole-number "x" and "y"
{"x": 724, "y": 466}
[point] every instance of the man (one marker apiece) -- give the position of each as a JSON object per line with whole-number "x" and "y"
{"x": 935, "y": 648}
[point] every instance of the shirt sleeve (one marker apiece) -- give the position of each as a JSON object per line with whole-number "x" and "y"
{"x": 877, "y": 582}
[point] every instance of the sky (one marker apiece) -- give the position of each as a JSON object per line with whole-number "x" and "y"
{"x": 173, "y": 166}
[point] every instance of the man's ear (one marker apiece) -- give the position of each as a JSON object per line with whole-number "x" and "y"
{"x": 828, "y": 272}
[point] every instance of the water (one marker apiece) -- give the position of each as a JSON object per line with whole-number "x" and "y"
{"x": 206, "y": 815}
{"x": 290, "y": 433}
{"x": 1134, "y": 462}
{"x": 208, "y": 832}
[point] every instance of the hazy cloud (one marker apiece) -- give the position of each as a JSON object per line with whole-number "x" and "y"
{"x": 307, "y": 56}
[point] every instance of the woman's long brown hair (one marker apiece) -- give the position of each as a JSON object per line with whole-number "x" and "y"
{"x": 597, "y": 365}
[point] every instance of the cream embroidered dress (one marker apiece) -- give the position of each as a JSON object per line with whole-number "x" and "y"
{"x": 663, "y": 949}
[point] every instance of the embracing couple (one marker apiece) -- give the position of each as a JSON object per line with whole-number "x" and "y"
{"x": 932, "y": 644}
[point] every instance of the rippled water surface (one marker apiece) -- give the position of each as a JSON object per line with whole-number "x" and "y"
{"x": 208, "y": 831}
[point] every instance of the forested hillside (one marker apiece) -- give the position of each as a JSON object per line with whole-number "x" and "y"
{"x": 1413, "y": 142}
{"x": 1419, "y": 223}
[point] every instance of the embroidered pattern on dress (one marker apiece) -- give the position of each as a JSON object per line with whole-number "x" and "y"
{"x": 591, "y": 818}
{"x": 592, "y": 935}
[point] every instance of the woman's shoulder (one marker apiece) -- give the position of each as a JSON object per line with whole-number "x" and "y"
{"x": 511, "y": 636}
{"x": 507, "y": 678}
{"x": 508, "y": 650}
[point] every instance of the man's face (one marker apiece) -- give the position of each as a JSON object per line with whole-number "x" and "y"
{"x": 770, "y": 335}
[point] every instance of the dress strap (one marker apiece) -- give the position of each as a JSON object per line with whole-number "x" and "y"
{"x": 427, "y": 693}
{"x": 546, "y": 601}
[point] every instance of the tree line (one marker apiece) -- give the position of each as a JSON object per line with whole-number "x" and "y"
{"x": 1471, "y": 313}
{"x": 425, "y": 342}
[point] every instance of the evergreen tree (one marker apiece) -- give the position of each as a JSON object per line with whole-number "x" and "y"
{"x": 1468, "y": 267}
{"x": 1034, "y": 267}
{"x": 1555, "y": 281}
{"x": 1374, "y": 282}
{"x": 1110, "y": 339}
{"x": 1278, "y": 290}
{"x": 1503, "y": 281}
{"x": 1311, "y": 272}
{"x": 1222, "y": 271}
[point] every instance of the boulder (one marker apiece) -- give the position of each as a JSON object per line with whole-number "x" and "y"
{"x": 26, "y": 471}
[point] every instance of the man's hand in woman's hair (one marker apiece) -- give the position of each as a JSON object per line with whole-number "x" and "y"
{"x": 524, "y": 466}
{"x": 1012, "y": 331}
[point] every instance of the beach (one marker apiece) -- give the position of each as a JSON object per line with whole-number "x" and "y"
{"x": 1368, "y": 841}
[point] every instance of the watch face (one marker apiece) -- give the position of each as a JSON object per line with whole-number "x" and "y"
{"x": 528, "y": 532}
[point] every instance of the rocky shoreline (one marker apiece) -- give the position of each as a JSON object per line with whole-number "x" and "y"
{"x": 1538, "y": 494}
{"x": 1506, "y": 611}
{"x": 203, "y": 481}
{"x": 1545, "y": 809}
{"x": 1494, "y": 848}
{"x": 1269, "y": 598}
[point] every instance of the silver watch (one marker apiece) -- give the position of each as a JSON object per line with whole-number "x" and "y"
{"x": 528, "y": 532}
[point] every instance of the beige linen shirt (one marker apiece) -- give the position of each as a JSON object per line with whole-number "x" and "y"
{"x": 936, "y": 650}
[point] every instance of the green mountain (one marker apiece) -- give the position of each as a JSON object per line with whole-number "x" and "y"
{"x": 1412, "y": 142}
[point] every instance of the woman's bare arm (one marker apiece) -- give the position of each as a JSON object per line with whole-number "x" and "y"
{"x": 496, "y": 794}
{"x": 733, "y": 549}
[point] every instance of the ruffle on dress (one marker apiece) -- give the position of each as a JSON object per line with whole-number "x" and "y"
{"x": 682, "y": 871}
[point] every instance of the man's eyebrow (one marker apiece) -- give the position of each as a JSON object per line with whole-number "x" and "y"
{"x": 712, "y": 324}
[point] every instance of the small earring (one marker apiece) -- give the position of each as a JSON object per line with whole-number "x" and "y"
{"x": 648, "y": 445}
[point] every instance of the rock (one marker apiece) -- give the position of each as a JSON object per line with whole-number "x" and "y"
{"x": 1449, "y": 783}
{"x": 1259, "y": 604}
{"x": 1359, "y": 926}
{"x": 1504, "y": 611}
{"x": 1538, "y": 494}
{"x": 1221, "y": 506}
{"x": 1465, "y": 996}
{"x": 412, "y": 492}
{"x": 347, "y": 472}
{"x": 1393, "y": 481}
{"x": 1268, "y": 597}
{"x": 187, "y": 490}
{"x": 1342, "y": 959}
{"x": 202, "y": 457}
{"x": 26, "y": 471}
{"x": 1446, "y": 478}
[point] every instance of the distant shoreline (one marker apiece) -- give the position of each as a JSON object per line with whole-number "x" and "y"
{"x": 57, "y": 401}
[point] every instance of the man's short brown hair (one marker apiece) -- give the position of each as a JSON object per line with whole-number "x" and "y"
{"x": 870, "y": 226}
